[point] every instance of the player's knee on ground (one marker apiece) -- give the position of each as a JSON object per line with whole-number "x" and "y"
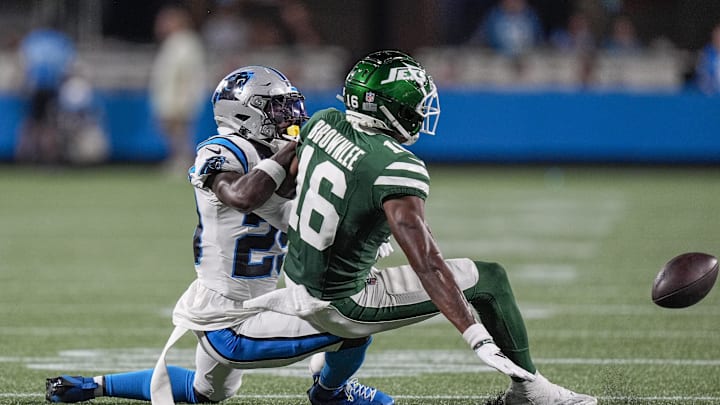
{"x": 215, "y": 396}
{"x": 217, "y": 386}
{"x": 202, "y": 399}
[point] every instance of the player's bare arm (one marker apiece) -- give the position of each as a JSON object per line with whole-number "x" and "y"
{"x": 247, "y": 192}
{"x": 287, "y": 187}
{"x": 406, "y": 216}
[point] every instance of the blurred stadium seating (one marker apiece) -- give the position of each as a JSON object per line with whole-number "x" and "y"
{"x": 323, "y": 68}
{"x": 544, "y": 105}
{"x": 463, "y": 67}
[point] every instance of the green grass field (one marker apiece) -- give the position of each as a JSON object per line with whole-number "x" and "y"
{"x": 91, "y": 263}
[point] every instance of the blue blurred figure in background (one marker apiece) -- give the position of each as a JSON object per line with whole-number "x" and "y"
{"x": 512, "y": 28}
{"x": 47, "y": 56}
{"x": 623, "y": 37}
{"x": 79, "y": 121}
{"x": 708, "y": 69}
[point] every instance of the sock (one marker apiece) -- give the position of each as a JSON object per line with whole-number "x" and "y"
{"x": 341, "y": 365}
{"x": 100, "y": 390}
{"x": 136, "y": 384}
{"x": 494, "y": 301}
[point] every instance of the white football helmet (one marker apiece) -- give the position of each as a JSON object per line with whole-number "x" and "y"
{"x": 257, "y": 103}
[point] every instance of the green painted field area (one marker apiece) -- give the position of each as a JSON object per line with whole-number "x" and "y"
{"x": 92, "y": 261}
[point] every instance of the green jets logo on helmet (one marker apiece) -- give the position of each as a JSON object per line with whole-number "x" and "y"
{"x": 408, "y": 72}
{"x": 396, "y": 92}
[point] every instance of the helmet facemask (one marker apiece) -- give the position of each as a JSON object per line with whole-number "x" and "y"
{"x": 429, "y": 110}
{"x": 280, "y": 112}
{"x": 423, "y": 119}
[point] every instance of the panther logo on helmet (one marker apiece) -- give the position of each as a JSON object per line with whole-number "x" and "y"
{"x": 232, "y": 85}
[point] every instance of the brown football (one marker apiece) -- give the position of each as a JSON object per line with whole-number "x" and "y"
{"x": 685, "y": 280}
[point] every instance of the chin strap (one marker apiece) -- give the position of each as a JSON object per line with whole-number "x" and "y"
{"x": 409, "y": 139}
{"x": 367, "y": 122}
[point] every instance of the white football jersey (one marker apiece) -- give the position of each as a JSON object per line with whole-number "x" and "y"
{"x": 237, "y": 256}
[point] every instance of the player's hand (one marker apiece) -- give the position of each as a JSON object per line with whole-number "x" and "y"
{"x": 491, "y": 355}
{"x": 286, "y": 154}
{"x": 385, "y": 250}
{"x": 483, "y": 345}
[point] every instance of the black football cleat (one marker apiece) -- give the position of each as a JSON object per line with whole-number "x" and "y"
{"x": 69, "y": 389}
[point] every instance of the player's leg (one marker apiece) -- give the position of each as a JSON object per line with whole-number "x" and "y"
{"x": 267, "y": 340}
{"x": 130, "y": 385}
{"x": 214, "y": 381}
{"x": 396, "y": 298}
{"x": 493, "y": 299}
{"x": 270, "y": 339}
{"x": 332, "y": 383}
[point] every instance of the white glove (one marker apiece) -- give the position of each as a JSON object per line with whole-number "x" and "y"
{"x": 486, "y": 349}
{"x": 491, "y": 355}
{"x": 385, "y": 250}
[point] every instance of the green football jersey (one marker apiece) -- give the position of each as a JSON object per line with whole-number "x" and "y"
{"x": 337, "y": 221}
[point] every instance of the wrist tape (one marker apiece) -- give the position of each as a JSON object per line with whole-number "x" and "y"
{"x": 272, "y": 169}
{"x": 476, "y": 335}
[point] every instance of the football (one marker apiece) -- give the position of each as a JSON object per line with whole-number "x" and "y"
{"x": 685, "y": 280}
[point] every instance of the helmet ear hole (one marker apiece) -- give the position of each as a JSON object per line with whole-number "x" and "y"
{"x": 242, "y": 117}
{"x": 408, "y": 114}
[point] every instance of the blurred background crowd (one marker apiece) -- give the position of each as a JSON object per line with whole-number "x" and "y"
{"x": 570, "y": 42}
{"x": 59, "y": 54}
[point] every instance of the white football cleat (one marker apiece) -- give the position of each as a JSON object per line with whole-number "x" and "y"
{"x": 543, "y": 392}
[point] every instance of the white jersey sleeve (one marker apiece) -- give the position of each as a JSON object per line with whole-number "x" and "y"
{"x": 222, "y": 153}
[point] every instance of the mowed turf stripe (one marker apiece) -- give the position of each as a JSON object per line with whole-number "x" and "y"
{"x": 389, "y": 363}
{"x": 679, "y": 399}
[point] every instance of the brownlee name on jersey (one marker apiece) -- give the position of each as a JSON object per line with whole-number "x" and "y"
{"x": 335, "y": 144}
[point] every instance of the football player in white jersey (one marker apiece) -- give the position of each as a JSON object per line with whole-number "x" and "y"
{"x": 240, "y": 182}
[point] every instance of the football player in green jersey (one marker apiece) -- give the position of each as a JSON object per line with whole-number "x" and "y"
{"x": 356, "y": 186}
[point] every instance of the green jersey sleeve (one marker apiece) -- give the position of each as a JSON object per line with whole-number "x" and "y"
{"x": 404, "y": 175}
